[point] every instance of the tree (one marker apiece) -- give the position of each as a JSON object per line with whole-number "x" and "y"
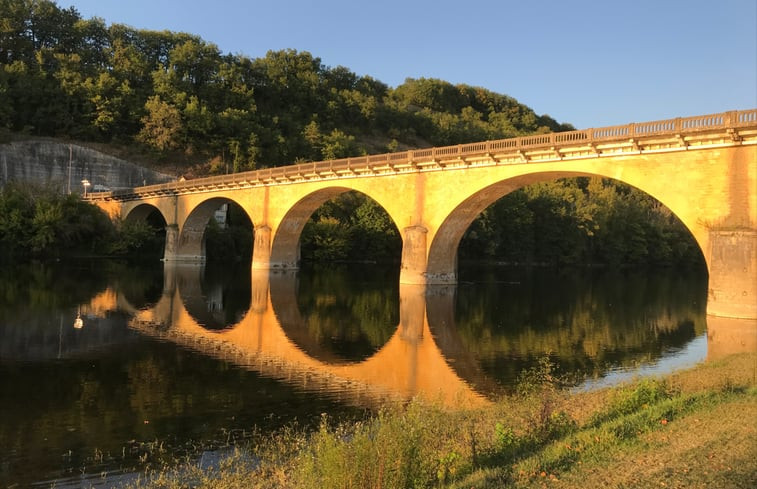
{"x": 162, "y": 126}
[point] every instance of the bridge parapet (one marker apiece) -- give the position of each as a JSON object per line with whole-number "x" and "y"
{"x": 682, "y": 132}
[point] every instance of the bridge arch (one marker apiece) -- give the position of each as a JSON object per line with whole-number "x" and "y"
{"x": 191, "y": 239}
{"x": 443, "y": 250}
{"x": 155, "y": 217}
{"x": 285, "y": 246}
{"x": 143, "y": 211}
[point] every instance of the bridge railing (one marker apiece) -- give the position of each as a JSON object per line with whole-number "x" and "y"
{"x": 733, "y": 119}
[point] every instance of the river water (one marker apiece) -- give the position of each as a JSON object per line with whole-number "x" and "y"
{"x": 108, "y": 368}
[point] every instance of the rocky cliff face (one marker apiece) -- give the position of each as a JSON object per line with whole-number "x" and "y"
{"x": 65, "y": 166}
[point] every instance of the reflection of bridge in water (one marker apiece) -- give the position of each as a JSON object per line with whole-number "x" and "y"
{"x": 271, "y": 339}
{"x": 424, "y": 357}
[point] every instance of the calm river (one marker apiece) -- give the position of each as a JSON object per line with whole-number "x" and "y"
{"x": 108, "y": 368}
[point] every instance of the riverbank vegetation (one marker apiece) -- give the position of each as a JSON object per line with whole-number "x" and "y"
{"x": 39, "y": 222}
{"x": 691, "y": 429}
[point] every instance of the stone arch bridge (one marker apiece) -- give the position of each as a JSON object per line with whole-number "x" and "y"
{"x": 704, "y": 169}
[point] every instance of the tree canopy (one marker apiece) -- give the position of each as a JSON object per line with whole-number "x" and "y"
{"x": 65, "y": 76}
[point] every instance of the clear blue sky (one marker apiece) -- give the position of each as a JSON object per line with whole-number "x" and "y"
{"x": 589, "y": 63}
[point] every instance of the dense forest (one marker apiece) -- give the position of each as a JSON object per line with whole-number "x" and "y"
{"x": 175, "y": 101}
{"x": 179, "y": 96}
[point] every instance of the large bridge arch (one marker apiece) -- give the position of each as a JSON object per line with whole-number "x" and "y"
{"x": 285, "y": 243}
{"x": 442, "y": 256}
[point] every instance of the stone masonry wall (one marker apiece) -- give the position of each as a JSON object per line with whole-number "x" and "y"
{"x": 65, "y": 166}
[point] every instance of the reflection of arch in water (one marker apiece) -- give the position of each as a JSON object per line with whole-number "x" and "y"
{"x": 284, "y": 303}
{"x": 415, "y": 361}
{"x": 440, "y": 309}
{"x": 209, "y": 300}
{"x": 426, "y": 315}
{"x": 409, "y": 364}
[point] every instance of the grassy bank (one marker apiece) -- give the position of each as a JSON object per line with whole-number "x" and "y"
{"x": 696, "y": 428}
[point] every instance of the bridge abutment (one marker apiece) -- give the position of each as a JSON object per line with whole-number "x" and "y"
{"x": 729, "y": 336}
{"x": 732, "y": 290}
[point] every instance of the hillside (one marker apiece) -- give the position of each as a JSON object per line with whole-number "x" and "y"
{"x": 173, "y": 99}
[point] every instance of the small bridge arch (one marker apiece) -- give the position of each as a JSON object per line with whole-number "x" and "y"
{"x": 191, "y": 238}
{"x": 143, "y": 211}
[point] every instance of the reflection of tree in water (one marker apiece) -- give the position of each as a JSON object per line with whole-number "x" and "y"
{"x": 45, "y": 287}
{"x": 587, "y": 321}
{"x": 30, "y": 295}
{"x": 141, "y": 285}
{"x": 351, "y": 311}
{"x": 143, "y": 391}
{"x": 38, "y": 304}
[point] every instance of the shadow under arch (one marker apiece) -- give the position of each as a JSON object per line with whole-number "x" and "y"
{"x": 153, "y": 216}
{"x": 442, "y": 257}
{"x": 192, "y": 234}
{"x": 285, "y": 245}
{"x": 143, "y": 212}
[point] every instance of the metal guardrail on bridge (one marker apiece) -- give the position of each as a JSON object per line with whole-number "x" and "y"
{"x": 401, "y": 161}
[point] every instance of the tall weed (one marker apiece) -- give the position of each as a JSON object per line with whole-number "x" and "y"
{"x": 402, "y": 447}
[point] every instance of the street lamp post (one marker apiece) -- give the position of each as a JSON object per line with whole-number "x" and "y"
{"x": 86, "y": 184}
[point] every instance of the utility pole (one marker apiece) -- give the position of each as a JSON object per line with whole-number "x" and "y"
{"x": 70, "y": 157}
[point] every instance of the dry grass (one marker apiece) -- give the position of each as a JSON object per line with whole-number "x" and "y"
{"x": 710, "y": 448}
